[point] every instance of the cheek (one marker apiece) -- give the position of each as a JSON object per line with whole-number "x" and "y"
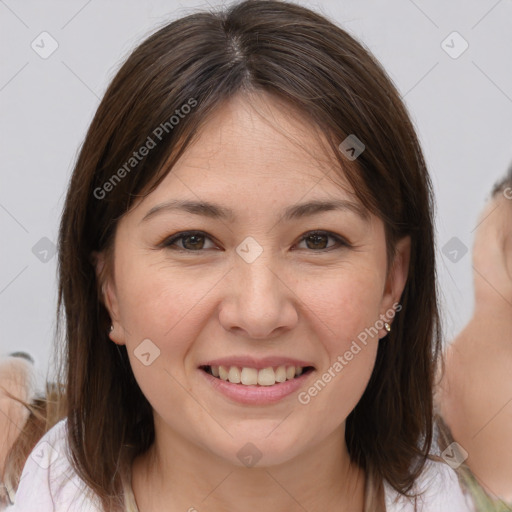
{"x": 157, "y": 301}
{"x": 344, "y": 303}
{"x": 162, "y": 303}
{"x": 162, "y": 306}
{"x": 344, "y": 312}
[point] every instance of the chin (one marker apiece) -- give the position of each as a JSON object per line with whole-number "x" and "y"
{"x": 257, "y": 451}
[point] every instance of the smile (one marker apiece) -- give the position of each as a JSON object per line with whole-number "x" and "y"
{"x": 252, "y": 386}
{"x": 253, "y": 377}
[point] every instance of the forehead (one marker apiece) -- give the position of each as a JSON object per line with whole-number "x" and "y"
{"x": 261, "y": 133}
{"x": 255, "y": 152}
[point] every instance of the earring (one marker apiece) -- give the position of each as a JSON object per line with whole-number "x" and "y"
{"x": 387, "y": 327}
{"x": 111, "y": 328}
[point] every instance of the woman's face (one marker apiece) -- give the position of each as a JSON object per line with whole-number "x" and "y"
{"x": 254, "y": 289}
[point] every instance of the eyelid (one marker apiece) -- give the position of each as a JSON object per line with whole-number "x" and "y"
{"x": 169, "y": 241}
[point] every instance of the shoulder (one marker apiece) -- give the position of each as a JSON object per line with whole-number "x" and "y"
{"x": 48, "y": 481}
{"x": 438, "y": 488}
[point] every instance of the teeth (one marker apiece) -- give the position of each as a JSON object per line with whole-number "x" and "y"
{"x": 281, "y": 374}
{"x": 251, "y": 376}
{"x": 266, "y": 377}
{"x": 223, "y": 372}
{"x": 234, "y": 375}
{"x": 290, "y": 372}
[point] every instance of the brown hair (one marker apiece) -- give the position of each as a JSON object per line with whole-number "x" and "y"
{"x": 317, "y": 68}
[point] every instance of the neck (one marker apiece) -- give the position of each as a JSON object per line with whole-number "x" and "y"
{"x": 494, "y": 314}
{"x": 183, "y": 476}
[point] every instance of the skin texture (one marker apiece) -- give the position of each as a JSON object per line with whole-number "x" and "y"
{"x": 475, "y": 394}
{"x": 294, "y": 300}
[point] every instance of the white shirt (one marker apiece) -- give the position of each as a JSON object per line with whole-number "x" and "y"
{"x": 48, "y": 465}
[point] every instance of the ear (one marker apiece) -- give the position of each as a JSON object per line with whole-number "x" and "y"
{"x": 108, "y": 294}
{"x": 396, "y": 279}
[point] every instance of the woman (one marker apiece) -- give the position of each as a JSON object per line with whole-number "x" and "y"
{"x": 247, "y": 273}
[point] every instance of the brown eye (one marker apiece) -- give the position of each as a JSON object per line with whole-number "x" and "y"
{"x": 194, "y": 241}
{"x": 190, "y": 241}
{"x": 318, "y": 240}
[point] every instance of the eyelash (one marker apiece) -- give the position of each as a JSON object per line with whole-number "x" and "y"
{"x": 169, "y": 242}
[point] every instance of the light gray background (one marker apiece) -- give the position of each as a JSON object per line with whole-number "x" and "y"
{"x": 462, "y": 109}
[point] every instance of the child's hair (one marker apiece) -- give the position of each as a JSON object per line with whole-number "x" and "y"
{"x": 45, "y": 410}
{"x": 160, "y": 97}
{"x": 504, "y": 184}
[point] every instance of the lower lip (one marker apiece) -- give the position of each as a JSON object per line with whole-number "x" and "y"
{"x": 256, "y": 395}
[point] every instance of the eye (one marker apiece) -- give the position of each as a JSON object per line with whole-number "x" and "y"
{"x": 194, "y": 241}
{"x": 318, "y": 240}
{"x": 191, "y": 241}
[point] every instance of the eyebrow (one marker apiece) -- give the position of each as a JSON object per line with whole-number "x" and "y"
{"x": 215, "y": 211}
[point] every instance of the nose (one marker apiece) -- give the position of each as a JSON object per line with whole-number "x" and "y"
{"x": 258, "y": 301}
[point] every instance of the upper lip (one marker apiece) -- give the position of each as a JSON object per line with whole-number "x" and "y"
{"x": 258, "y": 363}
